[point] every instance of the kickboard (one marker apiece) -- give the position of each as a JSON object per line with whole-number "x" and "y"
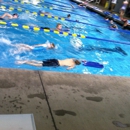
{"x": 93, "y": 64}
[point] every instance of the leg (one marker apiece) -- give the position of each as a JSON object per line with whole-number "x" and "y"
{"x": 39, "y": 64}
{"x": 122, "y": 14}
{"x": 25, "y": 46}
{"x": 112, "y": 6}
{"x": 33, "y": 62}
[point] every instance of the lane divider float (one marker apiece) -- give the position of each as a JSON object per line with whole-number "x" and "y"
{"x": 37, "y": 29}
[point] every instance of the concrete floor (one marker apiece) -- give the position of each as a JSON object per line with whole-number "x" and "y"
{"x": 61, "y": 101}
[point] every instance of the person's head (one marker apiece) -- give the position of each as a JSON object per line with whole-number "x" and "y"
{"x": 68, "y": 16}
{"x": 113, "y": 26}
{"x": 15, "y": 16}
{"x": 106, "y": 18}
{"x": 77, "y": 62}
{"x": 111, "y": 22}
{"x": 125, "y": 2}
{"x": 51, "y": 46}
{"x": 59, "y": 26}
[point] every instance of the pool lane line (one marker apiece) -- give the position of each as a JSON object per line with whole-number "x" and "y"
{"x": 61, "y": 3}
{"x": 21, "y": 1}
{"x": 44, "y": 1}
{"x": 55, "y": 4}
{"x": 37, "y": 29}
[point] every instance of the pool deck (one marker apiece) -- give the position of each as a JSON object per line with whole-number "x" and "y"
{"x": 63, "y": 101}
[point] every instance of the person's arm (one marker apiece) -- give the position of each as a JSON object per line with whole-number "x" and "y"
{"x": 70, "y": 67}
{"x": 37, "y": 45}
{"x": 80, "y": 4}
{"x": 72, "y": 6}
{"x": 7, "y": 15}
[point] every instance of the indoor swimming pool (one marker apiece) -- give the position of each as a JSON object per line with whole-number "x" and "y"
{"x": 108, "y": 47}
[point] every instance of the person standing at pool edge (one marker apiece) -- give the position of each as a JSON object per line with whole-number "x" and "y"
{"x": 70, "y": 63}
{"x": 123, "y": 8}
{"x": 113, "y": 4}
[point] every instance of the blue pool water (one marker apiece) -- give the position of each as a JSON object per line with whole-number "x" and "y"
{"x": 114, "y": 56}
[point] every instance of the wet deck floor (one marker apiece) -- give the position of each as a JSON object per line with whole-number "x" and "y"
{"x": 66, "y": 101}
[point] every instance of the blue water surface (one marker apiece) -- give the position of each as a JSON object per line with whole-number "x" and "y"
{"x": 114, "y": 56}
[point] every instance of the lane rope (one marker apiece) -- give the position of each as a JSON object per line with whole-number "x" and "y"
{"x": 22, "y": 2}
{"x": 55, "y": 4}
{"x": 37, "y": 29}
{"x": 60, "y": 2}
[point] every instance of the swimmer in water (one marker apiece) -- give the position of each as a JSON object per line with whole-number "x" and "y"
{"x": 58, "y": 28}
{"x": 113, "y": 25}
{"x": 68, "y": 16}
{"x": 46, "y": 13}
{"x": 8, "y": 16}
{"x": 70, "y": 63}
{"x": 29, "y": 48}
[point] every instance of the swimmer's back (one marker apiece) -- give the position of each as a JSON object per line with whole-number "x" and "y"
{"x": 39, "y": 48}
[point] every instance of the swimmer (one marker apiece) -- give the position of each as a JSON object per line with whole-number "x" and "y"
{"x": 46, "y": 13}
{"x": 29, "y": 48}
{"x": 70, "y": 63}
{"x": 68, "y": 16}
{"x": 8, "y": 16}
{"x": 113, "y": 25}
{"x": 107, "y": 18}
{"x": 58, "y": 28}
{"x": 72, "y": 6}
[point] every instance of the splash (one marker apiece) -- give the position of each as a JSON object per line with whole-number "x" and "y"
{"x": 76, "y": 43}
{"x": 5, "y": 41}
